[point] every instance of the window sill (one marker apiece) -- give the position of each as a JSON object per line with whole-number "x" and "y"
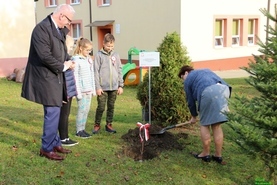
{"x": 218, "y": 47}
{"x": 52, "y": 6}
{"x": 75, "y": 4}
{"x": 104, "y": 5}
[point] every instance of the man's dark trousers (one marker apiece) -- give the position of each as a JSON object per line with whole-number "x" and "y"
{"x": 50, "y": 137}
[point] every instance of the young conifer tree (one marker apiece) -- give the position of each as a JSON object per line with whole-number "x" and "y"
{"x": 255, "y": 118}
{"x": 168, "y": 103}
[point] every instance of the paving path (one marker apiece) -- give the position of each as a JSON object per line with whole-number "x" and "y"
{"x": 232, "y": 74}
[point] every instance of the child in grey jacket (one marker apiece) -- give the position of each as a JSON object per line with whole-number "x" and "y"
{"x": 108, "y": 81}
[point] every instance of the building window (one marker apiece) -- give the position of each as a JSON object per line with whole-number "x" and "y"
{"x": 75, "y": 1}
{"x": 219, "y": 33}
{"x": 104, "y": 2}
{"x": 236, "y": 32}
{"x": 252, "y": 25}
{"x": 50, "y": 3}
{"x": 76, "y": 31}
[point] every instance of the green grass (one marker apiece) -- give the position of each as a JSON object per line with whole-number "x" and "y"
{"x": 99, "y": 159}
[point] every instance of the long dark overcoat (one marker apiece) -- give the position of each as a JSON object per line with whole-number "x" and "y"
{"x": 44, "y": 78}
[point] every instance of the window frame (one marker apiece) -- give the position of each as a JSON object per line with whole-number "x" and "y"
{"x": 78, "y": 30}
{"x": 252, "y": 36}
{"x": 75, "y": 3}
{"x": 236, "y": 37}
{"x": 51, "y": 4}
{"x": 219, "y": 42}
{"x": 105, "y": 3}
{"x": 219, "y": 39}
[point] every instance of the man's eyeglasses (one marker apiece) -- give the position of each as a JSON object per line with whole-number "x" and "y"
{"x": 69, "y": 20}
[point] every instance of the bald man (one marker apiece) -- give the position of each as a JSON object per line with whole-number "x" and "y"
{"x": 44, "y": 78}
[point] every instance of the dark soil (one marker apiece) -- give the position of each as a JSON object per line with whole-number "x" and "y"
{"x": 154, "y": 146}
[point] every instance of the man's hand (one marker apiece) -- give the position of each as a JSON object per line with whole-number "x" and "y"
{"x": 68, "y": 64}
{"x": 72, "y": 65}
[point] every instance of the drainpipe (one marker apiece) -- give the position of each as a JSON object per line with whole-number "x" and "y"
{"x": 90, "y": 20}
{"x": 267, "y": 21}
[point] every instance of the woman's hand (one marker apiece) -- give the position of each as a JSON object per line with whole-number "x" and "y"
{"x": 193, "y": 120}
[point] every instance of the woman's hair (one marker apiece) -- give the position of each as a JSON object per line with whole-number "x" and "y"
{"x": 185, "y": 69}
{"x": 82, "y": 43}
{"x": 108, "y": 38}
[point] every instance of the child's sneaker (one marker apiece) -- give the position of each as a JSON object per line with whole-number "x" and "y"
{"x": 83, "y": 134}
{"x": 86, "y": 133}
{"x": 109, "y": 128}
{"x": 96, "y": 129}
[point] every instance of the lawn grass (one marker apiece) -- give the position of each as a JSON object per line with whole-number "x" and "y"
{"x": 99, "y": 159}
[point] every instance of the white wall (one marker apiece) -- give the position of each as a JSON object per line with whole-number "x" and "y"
{"x": 197, "y": 26}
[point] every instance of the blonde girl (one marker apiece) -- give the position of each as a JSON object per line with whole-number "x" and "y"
{"x": 84, "y": 77}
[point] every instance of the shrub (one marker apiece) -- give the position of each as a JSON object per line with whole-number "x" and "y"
{"x": 168, "y": 103}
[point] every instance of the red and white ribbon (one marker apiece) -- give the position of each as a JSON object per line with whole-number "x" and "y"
{"x": 144, "y": 128}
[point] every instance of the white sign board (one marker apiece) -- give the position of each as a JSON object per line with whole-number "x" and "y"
{"x": 117, "y": 28}
{"x": 149, "y": 59}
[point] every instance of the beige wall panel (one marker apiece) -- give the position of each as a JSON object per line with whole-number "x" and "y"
{"x": 143, "y": 23}
{"x": 82, "y": 13}
{"x": 18, "y": 18}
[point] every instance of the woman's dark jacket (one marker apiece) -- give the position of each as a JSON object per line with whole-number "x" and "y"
{"x": 70, "y": 83}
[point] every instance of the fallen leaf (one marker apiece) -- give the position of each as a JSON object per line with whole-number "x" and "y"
{"x": 126, "y": 178}
{"x": 77, "y": 154}
{"x": 14, "y": 148}
{"x": 60, "y": 175}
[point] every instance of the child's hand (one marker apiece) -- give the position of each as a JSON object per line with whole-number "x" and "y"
{"x": 79, "y": 97}
{"x": 99, "y": 92}
{"x": 120, "y": 91}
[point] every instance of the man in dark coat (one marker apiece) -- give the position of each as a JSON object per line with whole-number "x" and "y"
{"x": 44, "y": 78}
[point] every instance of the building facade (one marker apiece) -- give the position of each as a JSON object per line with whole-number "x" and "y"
{"x": 220, "y": 35}
{"x": 17, "y": 19}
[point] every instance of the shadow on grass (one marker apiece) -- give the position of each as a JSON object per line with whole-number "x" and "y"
{"x": 19, "y": 126}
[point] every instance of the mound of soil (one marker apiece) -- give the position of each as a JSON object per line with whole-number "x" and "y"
{"x": 153, "y": 146}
